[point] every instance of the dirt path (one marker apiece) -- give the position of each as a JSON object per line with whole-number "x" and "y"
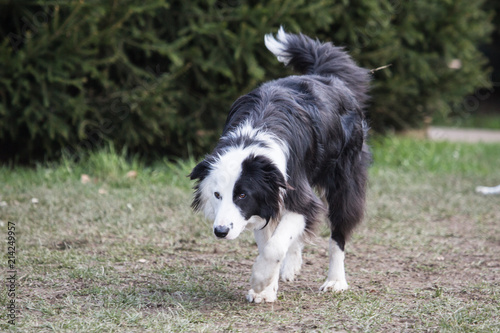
{"x": 463, "y": 134}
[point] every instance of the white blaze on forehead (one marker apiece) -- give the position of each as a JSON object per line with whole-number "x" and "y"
{"x": 227, "y": 169}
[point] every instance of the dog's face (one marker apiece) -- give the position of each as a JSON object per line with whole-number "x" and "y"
{"x": 237, "y": 189}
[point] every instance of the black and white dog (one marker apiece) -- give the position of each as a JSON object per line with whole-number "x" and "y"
{"x": 280, "y": 143}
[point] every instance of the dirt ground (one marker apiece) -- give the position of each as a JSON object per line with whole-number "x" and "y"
{"x": 465, "y": 272}
{"x": 376, "y": 268}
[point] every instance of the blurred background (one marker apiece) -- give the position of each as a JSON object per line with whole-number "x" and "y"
{"x": 157, "y": 77}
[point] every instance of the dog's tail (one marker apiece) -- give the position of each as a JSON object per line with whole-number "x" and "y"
{"x": 308, "y": 56}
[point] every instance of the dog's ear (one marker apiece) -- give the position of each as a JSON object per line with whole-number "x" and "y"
{"x": 271, "y": 176}
{"x": 200, "y": 171}
{"x": 275, "y": 177}
{"x": 269, "y": 179}
{"x": 273, "y": 197}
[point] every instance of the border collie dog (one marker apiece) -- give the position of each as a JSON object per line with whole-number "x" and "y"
{"x": 292, "y": 153}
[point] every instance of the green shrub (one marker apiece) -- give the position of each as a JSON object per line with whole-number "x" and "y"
{"x": 158, "y": 77}
{"x": 420, "y": 40}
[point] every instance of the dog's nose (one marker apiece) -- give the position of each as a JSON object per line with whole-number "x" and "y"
{"x": 221, "y": 231}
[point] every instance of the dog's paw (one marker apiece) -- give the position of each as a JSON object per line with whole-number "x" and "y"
{"x": 268, "y": 295}
{"x": 335, "y": 285}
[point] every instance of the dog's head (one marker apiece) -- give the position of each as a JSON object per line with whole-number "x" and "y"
{"x": 236, "y": 189}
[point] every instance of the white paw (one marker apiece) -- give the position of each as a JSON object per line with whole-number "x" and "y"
{"x": 268, "y": 295}
{"x": 335, "y": 285}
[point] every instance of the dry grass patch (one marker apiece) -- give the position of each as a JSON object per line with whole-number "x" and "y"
{"x": 134, "y": 258}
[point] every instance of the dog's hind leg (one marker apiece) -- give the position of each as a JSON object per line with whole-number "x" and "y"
{"x": 335, "y": 280}
{"x": 265, "y": 272}
{"x": 345, "y": 211}
{"x": 346, "y": 200}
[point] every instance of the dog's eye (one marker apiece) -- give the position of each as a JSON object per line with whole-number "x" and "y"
{"x": 217, "y": 195}
{"x": 242, "y": 196}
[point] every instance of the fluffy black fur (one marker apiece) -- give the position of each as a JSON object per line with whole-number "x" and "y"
{"x": 319, "y": 117}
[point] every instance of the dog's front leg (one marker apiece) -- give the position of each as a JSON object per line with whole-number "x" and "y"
{"x": 265, "y": 272}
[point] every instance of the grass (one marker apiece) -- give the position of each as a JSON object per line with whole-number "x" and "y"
{"x": 125, "y": 254}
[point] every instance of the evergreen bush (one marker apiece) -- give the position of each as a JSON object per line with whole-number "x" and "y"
{"x": 158, "y": 77}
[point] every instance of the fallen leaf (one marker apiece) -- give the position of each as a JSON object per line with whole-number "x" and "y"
{"x": 132, "y": 174}
{"x": 85, "y": 179}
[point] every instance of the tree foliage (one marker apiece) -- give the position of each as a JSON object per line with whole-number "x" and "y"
{"x": 158, "y": 76}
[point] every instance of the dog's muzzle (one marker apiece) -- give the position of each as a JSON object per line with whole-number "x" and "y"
{"x": 221, "y": 231}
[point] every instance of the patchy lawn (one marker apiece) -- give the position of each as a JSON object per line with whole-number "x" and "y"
{"x": 126, "y": 254}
